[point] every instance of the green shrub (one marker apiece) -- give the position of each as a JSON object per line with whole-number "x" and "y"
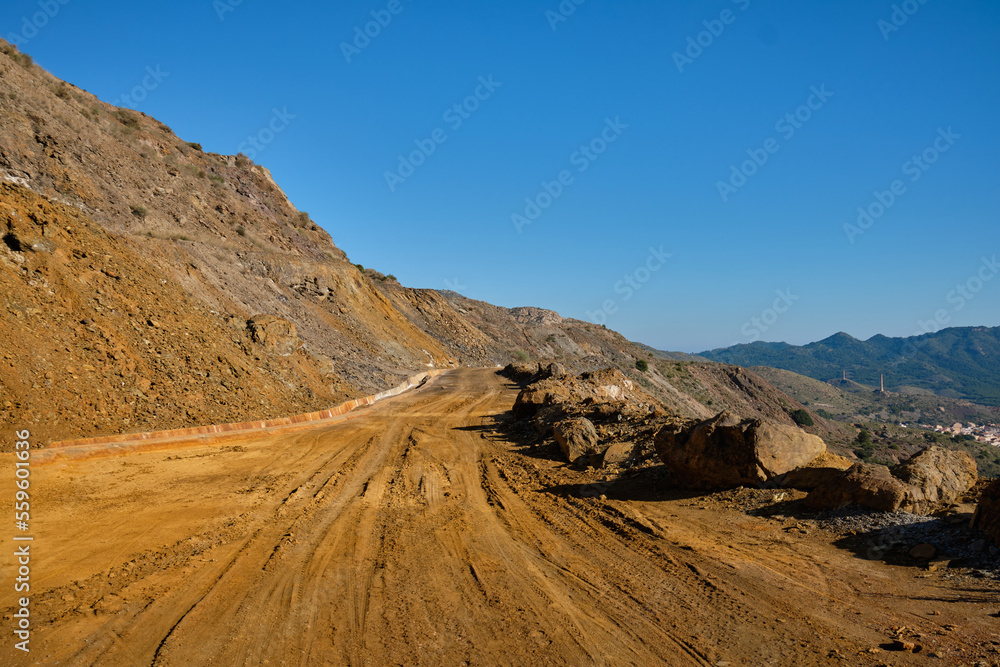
{"x": 241, "y": 231}
{"x": 126, "y": 119}
{"x": 195, "y": 145}
{"x": 522, "y": 356}
{"x": 140, "y": 212}
{"x": 802, "y": 418}
{"x": 642, "y": 365}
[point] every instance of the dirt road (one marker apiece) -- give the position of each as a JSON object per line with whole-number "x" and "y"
{"x": 416, "y": 535}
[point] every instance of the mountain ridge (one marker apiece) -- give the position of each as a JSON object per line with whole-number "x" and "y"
{"x": 957, "y": 362}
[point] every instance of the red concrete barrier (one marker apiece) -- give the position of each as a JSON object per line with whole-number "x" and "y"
{"x": 212, "y": 434}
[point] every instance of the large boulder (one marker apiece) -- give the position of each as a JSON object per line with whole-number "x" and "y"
{"x": 520, "y": 372}
{"x": 536, "y": 396}
{"x": 589, "y": 388}
{"x": 577, "y": 437}
{"x": 987, "y": 517}
{"x": 276, "y": 335}
{"x": 865, "y": 484}
{"x": 823, "y": 468}
{"x": 930, "y": 479}
{"x": 726, "y": 452}
{"x": 937, "y": 476}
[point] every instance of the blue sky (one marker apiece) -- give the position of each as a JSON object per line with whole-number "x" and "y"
{"x": 643, "y": 108}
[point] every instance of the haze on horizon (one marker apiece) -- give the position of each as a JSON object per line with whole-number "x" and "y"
{"x": 680, "y": 174}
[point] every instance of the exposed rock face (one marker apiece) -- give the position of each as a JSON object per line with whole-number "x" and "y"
{"x": 725, "y": 452}
{"x": 577, "y": 437}
{"x": 933, "y": 477}
{"x": 277, "y": 335}
{"x": 820, "y": 470}
{"x": 987, "y": 517}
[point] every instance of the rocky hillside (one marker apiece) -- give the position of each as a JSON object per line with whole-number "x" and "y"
{"x": 148, "y": 284}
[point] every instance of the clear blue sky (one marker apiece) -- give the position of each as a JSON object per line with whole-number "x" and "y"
{"x": 884, "y": 95}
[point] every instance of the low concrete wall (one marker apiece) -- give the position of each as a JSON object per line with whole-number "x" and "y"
{"x": 127, "y": 442}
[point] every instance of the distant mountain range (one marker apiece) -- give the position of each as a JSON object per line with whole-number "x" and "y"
{"x": 958, "y": 362}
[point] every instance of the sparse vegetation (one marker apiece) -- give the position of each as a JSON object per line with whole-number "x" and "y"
{"x": 521, "y": 356}
{"x": 241, "y": 231}
{"x": 242, "y": 161}
{"x": 642, "y": 365}
{"x": 140, "y": 212}
{"x": 216, "y": 179}
{"x": 22, "y": 59}
{"x": 126, "y": 119}
{"x": 62, "y": 90}
{"x": 195, "y": 145}
{"x": 165, "y": 128}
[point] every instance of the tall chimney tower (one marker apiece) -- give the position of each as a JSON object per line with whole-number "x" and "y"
{"x": 882, "y": 381}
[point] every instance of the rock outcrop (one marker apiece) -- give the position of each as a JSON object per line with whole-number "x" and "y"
{"x": 276, "y": 335}
{"x": 930, "y": 479}
{"x": 937, "y": 476}
{"x": 865, "y": 484}
{"x": 987, "y": 517}
{"x": 726, "y": 452}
